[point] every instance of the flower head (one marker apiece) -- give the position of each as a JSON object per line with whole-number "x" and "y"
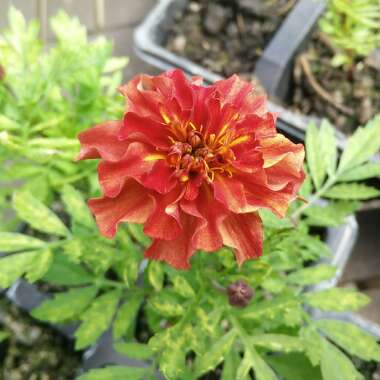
{"x": 194, "y": 164}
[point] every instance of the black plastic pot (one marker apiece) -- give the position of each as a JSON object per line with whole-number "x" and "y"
{"x": 274, "y": 67}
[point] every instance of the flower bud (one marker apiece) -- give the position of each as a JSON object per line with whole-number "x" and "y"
{"x": 194, "y": 139}
{"x": 239, "y": 294}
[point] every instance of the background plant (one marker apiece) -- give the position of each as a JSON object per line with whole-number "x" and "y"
{"x": 47, "y": 96}
{"x": 353, "y": 26}
{"x": 181, "y": 321}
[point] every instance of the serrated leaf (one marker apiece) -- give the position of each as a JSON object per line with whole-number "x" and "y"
{"x": 182, "y": 287}
{"x": 35, "y": 213}
{"x": 272, "y": 221}
{"x": 166, "y": 304}
{"x": 262, "y": 370}
{"x": 312, "y": 275}
{"x": 126, "y": 316}
{"x": 244, "y": 367}
{"x": 362, "y": 145}
{"x": 172, "y": 362}
{"x": 14, "y": 266}
{"x": 115, "y": 373}
{"x": 230, "y": 366}
{"x": 352, "y": 191}
{"x": 336, "y": 366}
{"x": 351, "y": 338}
{"x": 294, "y": 367}
{"x": 368, "y": 170}
{"x": 40, "y": 266}
{"x": 64, "y": 272}
{"x": 65, "y": 306}
{"x": 156, "y": 275}
{"x": 76, "y": 206}
{"x": 327, "y": 144}
{"x": 137, "y": 233}
{"x": 96, "y": 319}
{"x": 215, "y": 354}
{"x": 312, "y": 343}
{"x": 12, "y": 242}
{"x": 278, "y": 342}
{"x": 333, "y": 214}
{"x": 286, "y": 308}
{"x": 315, "y": 157}
{"x": 337, "y": 299}
{"x": 138, "y": 351}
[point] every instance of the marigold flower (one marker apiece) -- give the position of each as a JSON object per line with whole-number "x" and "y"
{"x": 194, "y": 164}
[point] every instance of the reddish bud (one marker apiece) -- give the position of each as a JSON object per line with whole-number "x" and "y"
{"x": 194, "y": 139}
{"x": 239, "y": 294}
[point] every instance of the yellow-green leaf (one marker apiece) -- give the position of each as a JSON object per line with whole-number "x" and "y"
{"x": 12, "y": 242}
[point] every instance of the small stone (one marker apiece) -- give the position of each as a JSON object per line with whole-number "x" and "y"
{"x": 194, "y": 7}
{"x": 216, "y": 18}
{"x": 239, "y": 294}
{"x": 179, "y": 43}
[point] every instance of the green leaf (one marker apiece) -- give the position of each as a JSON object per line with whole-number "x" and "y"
{"x": 333, "y": 214}
{"x": 65, "y": 306}
{"x": 96, "y": 319}
{"x": 244, "y": 367}
{"x": 134, "y": 350}
{"x": 283, "y": 308}
{"x": 172, "y": 362}
{"x": 137, "y": 233}
{"x": 363, "y": 144}
{"x": 166, "y": 304}
{"x": 215, "y": 354}
{"x": 312, "y": 275}
{"x": 116, "y": 373}
{"x": 76, "y": 206}
{"x": 230, "y": 366}
{"x": 351, "y": 338}
{"x": 12, "y": 242}
{"x": 261, "y": 368}
{"x": 126, "y": 316}
{"x": 64, "y": 272}
{"x": 312, "y": 343}
{"x": 3, "y": 336}
{"x": 14, "y": 266}
{"x": 337, "y": 299}
{"x": 368, "y": 170}
{"x": 278, "y": 342}
{"x": 40, "y": 266}
{"x": 182, "y": 286}
{"x": 294, "y": 366}
{"x": 354, "y": 191}
{"x": 336, "y": 366}
{"x": 327, "y": 145}
{"x": 156, "y": 275}
{"x": 274, "y": 222}
{"x": 34, "y": 212}
{"x": 315, "y": 157}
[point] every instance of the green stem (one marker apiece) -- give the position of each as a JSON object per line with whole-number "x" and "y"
{"x": 330, "y": 182}
{"x": 240, "y": 330}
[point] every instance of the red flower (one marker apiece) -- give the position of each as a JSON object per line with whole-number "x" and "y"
{"x": 194, "y": 164}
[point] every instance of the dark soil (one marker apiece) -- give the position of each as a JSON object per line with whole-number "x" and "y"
{"x": 226, "y": 36}
{"x": 370, "y": 370}
{"x": 357, "y": 90}
{"x": 33, "y": 351}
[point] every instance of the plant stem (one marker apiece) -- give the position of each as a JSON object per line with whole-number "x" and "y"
{"x": 330, "y": 182}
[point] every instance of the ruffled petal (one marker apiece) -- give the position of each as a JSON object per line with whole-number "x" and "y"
{"x": 160, "y": 178}
{"x": 113, "y": 174}
{"x": 102, "y": 141}
{"x": 164, "y": 222}
{"x": 145, "y": 130}
{"x": 244, "y": 233}
{"x": 133, "y": 205}
{"x": 175, "y": 252}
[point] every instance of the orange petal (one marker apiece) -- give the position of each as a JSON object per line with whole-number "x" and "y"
{"x": 133, "y": 204}
{"x": 244, "y": 233}
{"x": 102, "y": 141}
